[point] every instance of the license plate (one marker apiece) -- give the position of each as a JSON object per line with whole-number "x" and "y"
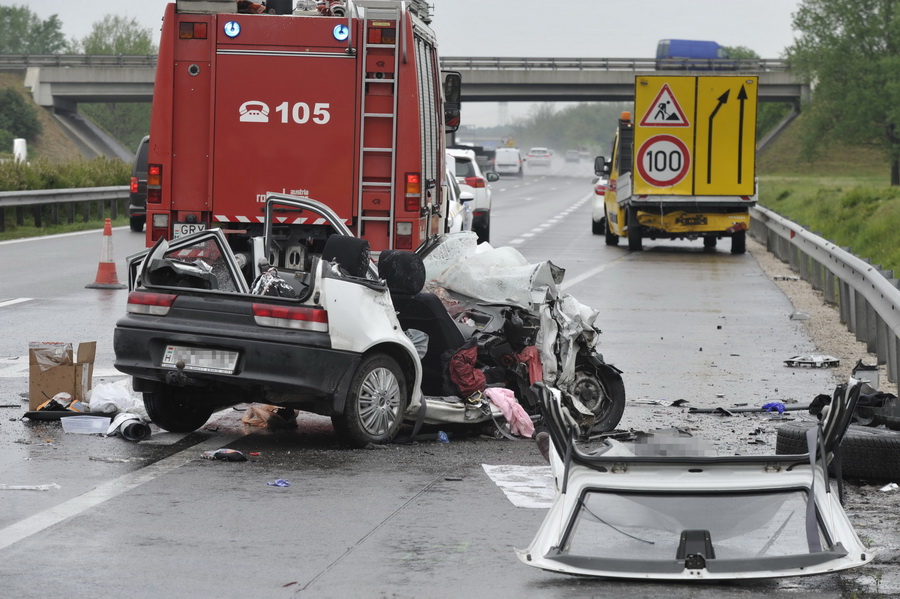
{"x": 200, "y": 359}
{"x": 182, "y": 229}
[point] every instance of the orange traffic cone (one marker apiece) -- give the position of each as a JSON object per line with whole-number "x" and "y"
{"x": 106, "y": 271}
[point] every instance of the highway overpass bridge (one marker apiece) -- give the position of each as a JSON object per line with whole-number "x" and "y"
{"x": 61, "y": 82}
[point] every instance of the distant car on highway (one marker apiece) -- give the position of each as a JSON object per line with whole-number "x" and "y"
{"x": 137, "y": 198}
{"x": 509, "y": 161}
{"x": 538, "y": 157}
{"x": 573, "y": 156}
{"x": 472, "y": 179}
{"x": 598, "y": 206}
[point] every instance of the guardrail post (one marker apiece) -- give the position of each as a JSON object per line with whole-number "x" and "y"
{"x": 871, "y": 330}
{"x": 2, "y": 220}
{"x": 881, "y": 340}
{"x": 114, "y": 209}
{"x": 101, "y": 209}
{"x": 816, "y": 279}
{"x": 859, "y": 315}
{"x": 70, "y": 213}
{"x": 830, "y": 288}
{"x": 892, "y": 357}
{"x": 54, "y": 214}
{"x": 845, "y": 305}
{"x": 803, "y": 265}
{"x": 86, "y": 212}
{"x": 36, "y": 211}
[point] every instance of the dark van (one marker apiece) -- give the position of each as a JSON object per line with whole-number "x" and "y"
{"x": 694, "y": 55}
{"x": 137, "y": 200}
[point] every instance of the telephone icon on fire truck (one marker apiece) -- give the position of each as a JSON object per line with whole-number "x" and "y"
{"x": 254, "y": 111}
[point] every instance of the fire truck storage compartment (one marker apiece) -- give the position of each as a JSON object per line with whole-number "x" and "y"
{"x": 297, "y": 141}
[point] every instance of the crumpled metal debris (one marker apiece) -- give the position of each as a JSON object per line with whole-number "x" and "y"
{"x": 813, "y": 361}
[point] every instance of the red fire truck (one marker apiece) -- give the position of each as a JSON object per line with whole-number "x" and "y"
{"x": 347, "y": 110}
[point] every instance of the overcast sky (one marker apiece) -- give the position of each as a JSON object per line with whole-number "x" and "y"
{"x": 530, "y": 28}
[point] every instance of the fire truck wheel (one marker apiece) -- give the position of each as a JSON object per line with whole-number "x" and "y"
{"x": 866, "y": 453}
{"x": 739, "y": 242}
{"x": 376, "y": 402}
{"x": 177, "y": 410}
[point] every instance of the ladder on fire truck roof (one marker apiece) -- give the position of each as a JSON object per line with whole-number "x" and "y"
{"x": 378, "y": 105}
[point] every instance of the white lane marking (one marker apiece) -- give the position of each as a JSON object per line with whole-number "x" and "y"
{"x": 587, "y": 275}
{"x": 516, "y": 241}
{"x": 59, "y": 235}
{"x": 13, "y": 302}
{"x": 528, "y": 199}
{"x": 524, "y": 486}
{"x": 77, "y": 505}
{"x": 527, "y": 234}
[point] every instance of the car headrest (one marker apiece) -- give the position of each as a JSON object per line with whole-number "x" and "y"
{"x": 403, "y": 271}
{"x": 350, "y": 253}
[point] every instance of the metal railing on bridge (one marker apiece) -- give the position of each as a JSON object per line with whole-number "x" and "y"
{"x": 15, "y": 61}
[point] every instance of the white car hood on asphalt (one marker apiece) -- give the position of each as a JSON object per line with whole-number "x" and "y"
{"x": 666, "y": 509}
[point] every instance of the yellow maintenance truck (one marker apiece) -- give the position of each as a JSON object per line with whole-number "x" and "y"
{"x": 684, "y": 167}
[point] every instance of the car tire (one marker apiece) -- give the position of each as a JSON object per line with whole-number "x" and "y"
{"x": 483, "y": 230}
{"x": 177, "y": 410}
{"x": 739, "y": 242}
{"x": 604, "y": 396}
{"x": 598, "y": 226}
{"x": 611, "y": 238}
{"x": 866, "y": 453}
{"x": 375, "y": 404}
{"x": 137, "y": 223}
{"x": 709, "y": 242}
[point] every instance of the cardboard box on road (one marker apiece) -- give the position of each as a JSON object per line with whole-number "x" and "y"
{"x": 52, "y": 370}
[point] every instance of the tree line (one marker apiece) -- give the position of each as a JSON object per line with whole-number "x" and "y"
{"x": 848, "y": 49}
{"x": 24, "y": 32}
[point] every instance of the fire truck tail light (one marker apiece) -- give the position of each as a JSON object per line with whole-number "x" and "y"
{"x": 153, "y": 304}
{"x": 476, "y": 182}
{"x": 134, "y": 185}
{"x": 160, "y": 221}
{"x": 154, "y": 184}
{"x": 288, "y": 317}
{"x": 413, "y": 199}
{"x": 404, "y": 236}
{"x": 192, "y": 31}
{"x": 154, "y": 174}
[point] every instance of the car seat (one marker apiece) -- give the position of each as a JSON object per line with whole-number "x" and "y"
{"x": 404, "y": 274}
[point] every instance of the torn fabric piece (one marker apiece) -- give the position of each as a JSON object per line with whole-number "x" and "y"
{"x": 530, "y": 357}
{"x": 519, "y": 421}
{"x": 463, "y": 371}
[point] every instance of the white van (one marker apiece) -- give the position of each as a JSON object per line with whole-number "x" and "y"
{"x": 508, "y": 161}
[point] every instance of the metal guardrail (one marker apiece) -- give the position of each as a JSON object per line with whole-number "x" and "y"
{"x": 85, "y": 195}
{"x": 16, "y": 61}
{"x": 868, "y": 297}
{"x": 614, "y": 64}
{"x": 63, "y": 196}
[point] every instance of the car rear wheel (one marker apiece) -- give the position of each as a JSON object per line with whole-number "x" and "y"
{"x": 598, "y": 226}
{"x": 375, "y": 403}
{"x": 709, "y": 242}
{"x": 137, "y": 223}
{"x": 178, "y": 410}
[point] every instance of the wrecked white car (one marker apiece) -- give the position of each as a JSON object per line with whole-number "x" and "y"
{"x": 318, "y": 327}
{"x": 666, "y": 508}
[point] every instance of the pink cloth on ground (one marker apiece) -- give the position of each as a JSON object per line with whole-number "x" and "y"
{"x": 519, "y": 421}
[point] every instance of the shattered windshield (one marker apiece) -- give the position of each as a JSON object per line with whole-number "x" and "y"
{"x": 200, "y": 265}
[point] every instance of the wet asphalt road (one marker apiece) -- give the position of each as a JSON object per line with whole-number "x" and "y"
{"x": 421, "y": 520}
